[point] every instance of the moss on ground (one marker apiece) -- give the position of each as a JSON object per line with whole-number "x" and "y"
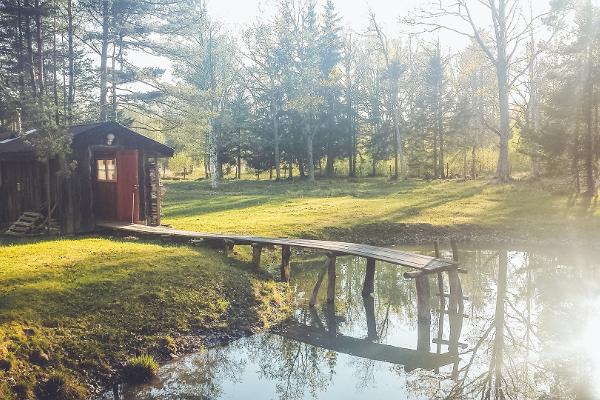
{"x": 80, "y": 308}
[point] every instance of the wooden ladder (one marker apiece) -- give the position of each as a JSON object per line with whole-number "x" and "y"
{"x": 28, "y": 223}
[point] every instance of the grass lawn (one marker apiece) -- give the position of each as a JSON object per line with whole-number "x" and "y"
{"x": 73, "y": 311}
{"x": 79, "y": 308}
{"x": 368, "y": 208}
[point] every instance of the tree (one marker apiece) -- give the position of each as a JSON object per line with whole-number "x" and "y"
{"x": 502, "y": 47}
{"x": 394, "y": 69}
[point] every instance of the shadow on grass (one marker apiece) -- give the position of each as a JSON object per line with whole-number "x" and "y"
{"x": 93, "y": 312}
{"x": 191, "y": 208}
{"x": 367, "y": 188}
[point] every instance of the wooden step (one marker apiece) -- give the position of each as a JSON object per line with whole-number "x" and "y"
{"x": 32, "y": 214}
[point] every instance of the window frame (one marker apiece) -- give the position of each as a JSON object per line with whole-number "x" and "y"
{"x": 105, "y": 170}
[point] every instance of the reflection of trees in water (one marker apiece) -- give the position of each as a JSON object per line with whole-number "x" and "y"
{"x": 394, "y": 296}
{"x": 511, "y": 350}
{"x": 197, "y": 376}
{"x": 296, "y": 368}
{"x": 522, "y": 306}
{"x": 300, "y": 368}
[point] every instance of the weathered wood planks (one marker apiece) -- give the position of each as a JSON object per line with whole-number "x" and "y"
{"x": 422, "y": 263}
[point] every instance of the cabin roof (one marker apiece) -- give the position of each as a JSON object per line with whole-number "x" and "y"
{"x": 5, "y": 134}
{"x": 12, "y": 145}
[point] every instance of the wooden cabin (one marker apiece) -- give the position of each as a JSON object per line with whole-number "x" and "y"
{"x": 115, "y": 178}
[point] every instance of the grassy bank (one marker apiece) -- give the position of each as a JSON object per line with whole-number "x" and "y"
{"x": 368, "y": 209}
{"x": 75, "y": 310}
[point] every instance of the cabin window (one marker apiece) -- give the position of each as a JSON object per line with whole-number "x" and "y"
{"x": 107, "y": 170}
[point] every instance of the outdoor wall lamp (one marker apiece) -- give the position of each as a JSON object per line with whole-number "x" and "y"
{"x": 110, "y": 139}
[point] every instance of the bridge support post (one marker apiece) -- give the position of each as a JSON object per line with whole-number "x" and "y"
{"x": 286, "y": 253}
{"x": 227, "y": 247}
{"x": 369, "y": 284}
{"x": 331, "y": 258}
{"x": 256, "y": 252}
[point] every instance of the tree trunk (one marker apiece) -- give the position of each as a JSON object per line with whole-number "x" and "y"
{"x": 19, "y": 47}
{"x": 352, "y": 137}
{"x": 442, "y": 162}
{"x": 239, "y": 155}
{"x": 55, "y": 71}
{"x": 113, "y": 85}
{"x": 474, "y": 162}
{"x": 575, "y": 161}
{"x": 301, "y": 168}
{"x": 104, "y": 60}
{"x": 276, "y": 139}
{"x": 588, "y": 100}
{"x": 310, "y": 156}
{"x": 48, "y": 197}
{"x": 29, "y": 42}
{"x": 40, "y": 48}
{"x": 213, "y": 156}
{"x": 502, "y": 70}
{"x": 71, "y": 56}
{"x": 435, "y": 156}
{"x": 465, "y": 165}
{"x": 503, "y": 168}
{"x": 397, "y": 142}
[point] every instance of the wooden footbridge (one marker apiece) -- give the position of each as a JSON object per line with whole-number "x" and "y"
{"x": 422, "y": 266}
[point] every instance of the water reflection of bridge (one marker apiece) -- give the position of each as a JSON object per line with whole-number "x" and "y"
{"x": 324, "y": 332}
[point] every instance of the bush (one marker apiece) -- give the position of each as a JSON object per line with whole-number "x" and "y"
{"x": 60, "y": 387}
{"x": 140, "y": 369}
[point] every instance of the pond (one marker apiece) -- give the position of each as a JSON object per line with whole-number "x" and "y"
{"x": 529, "y": 329}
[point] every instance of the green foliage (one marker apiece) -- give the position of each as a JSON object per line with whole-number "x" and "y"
{"x": 180, "y": 163}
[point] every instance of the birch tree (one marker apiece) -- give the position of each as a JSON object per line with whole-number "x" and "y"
{"x": 501, "y": 38}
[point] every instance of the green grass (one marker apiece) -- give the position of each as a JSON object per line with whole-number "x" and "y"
{"x": 334, "y": 208}
{"x": 82, "y": 307}
{"x": 140, "y": 369}
{"x": 73, "y": 311}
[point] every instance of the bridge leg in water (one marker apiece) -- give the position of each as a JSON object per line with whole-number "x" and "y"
{"x": 369, "y": 305}
{"x": 456, "y": 301}
{"x": 286, "y": 253}
{"x": 256, "y": 251}
{"x": 331, "y": 278}
{"x": 369, "y": 284}
{"x": 423, "y": 299}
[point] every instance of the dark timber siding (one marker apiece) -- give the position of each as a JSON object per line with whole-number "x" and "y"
{"x": 21, "y": 189}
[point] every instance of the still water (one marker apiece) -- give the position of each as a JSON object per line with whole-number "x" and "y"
{"x": 529, "y": 330}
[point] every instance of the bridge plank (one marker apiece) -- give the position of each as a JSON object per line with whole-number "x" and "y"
{"x": 415, "y": 261}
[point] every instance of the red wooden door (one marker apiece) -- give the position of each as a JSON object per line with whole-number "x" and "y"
{"x": 105, "y": 187}
{"x": 128, "y": 193}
